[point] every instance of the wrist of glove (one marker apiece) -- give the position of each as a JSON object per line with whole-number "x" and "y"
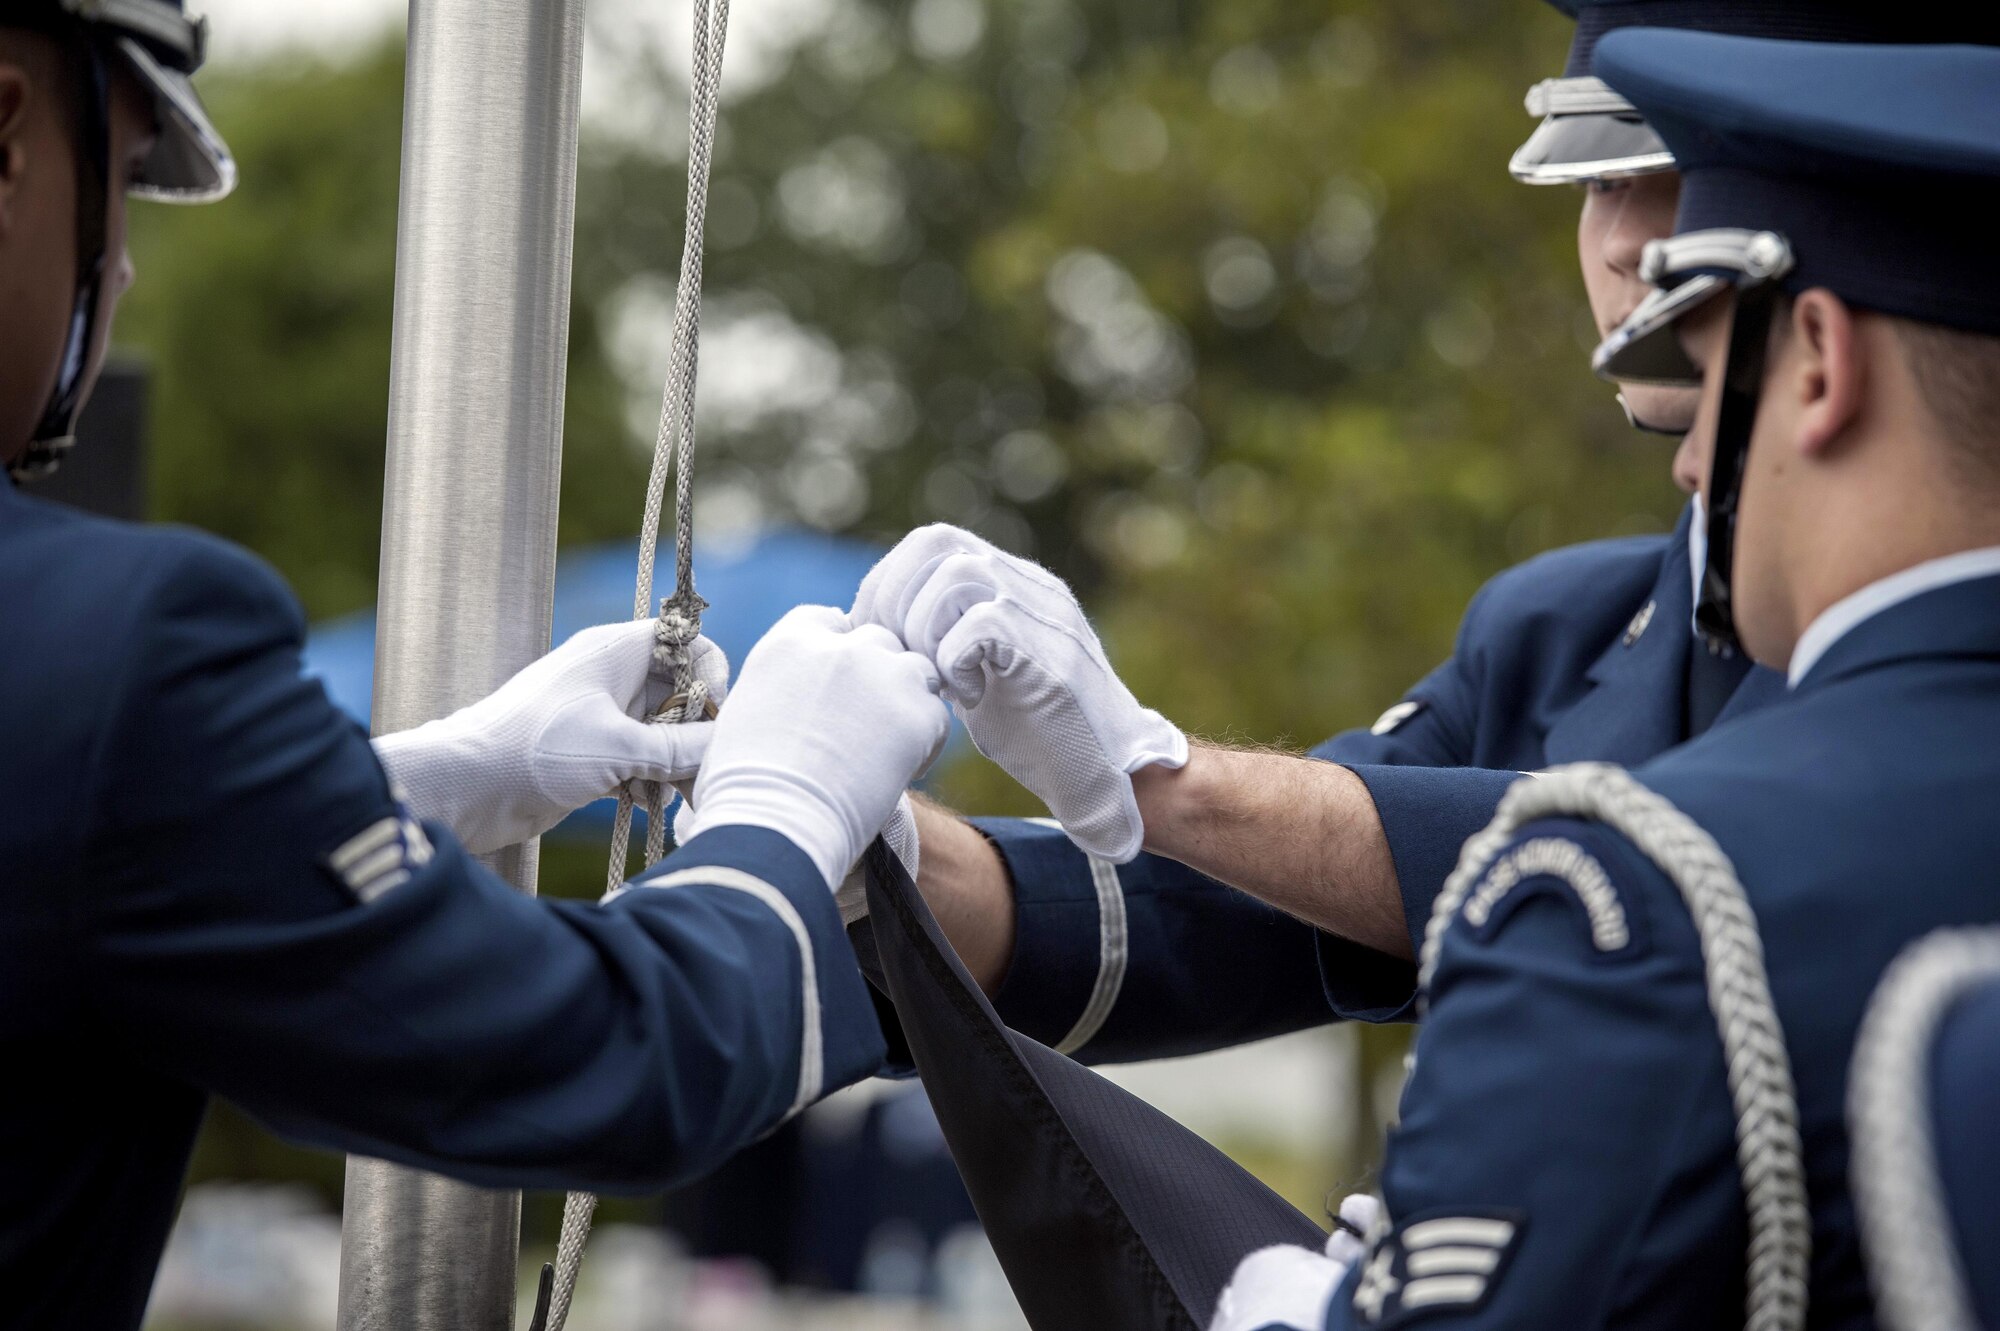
{"x": 563, "y": 732}
{"x": 1289, "y": 1287}
{"x": 1021, "y": 664}
{"x": 827, "y": 725}
{"x": 852, "y": 894}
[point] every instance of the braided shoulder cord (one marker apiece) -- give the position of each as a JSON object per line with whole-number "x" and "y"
{"x": 1913, "y": 1260}
{"x": 679, "y": 619}
{"x": 1769, "y": 1153}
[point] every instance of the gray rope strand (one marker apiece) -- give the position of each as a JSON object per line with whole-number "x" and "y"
{"x": 577, "y": 1210}
{"x": 679, "y": 614}
{"x": 673, "y": 445}
{"x": 1913, "y": 1259}
{"x": 1769, "y": 1153}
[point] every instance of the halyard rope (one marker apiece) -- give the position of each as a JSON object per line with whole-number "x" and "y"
{"x": 1913, "y": 1259}
{"x": 1768, "y": 1149}
{"x": 679, "y": 614}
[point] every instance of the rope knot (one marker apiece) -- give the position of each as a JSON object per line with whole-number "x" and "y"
{"x": 677, "y": 627}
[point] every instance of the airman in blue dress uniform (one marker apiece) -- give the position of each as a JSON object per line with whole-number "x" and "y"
{"x": 1567, "y": 1154}
{"x": 1586, "y": 653}
{"x": 209, "y": 885}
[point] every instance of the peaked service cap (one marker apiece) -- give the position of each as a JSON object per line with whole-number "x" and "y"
{"x": 1872, "y": 171}
{"x": 1589, "y": 132}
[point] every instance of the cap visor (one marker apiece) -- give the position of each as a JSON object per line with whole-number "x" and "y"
{"x": 190, "y": 163}
{"x": 1566, "y": 149}
{"x": 1645, "y": 348}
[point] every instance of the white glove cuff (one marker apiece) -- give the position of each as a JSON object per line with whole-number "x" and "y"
{"x": 805, "y": 822}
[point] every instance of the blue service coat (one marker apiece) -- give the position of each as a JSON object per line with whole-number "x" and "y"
{"x": 206, "y": 888}
{"x": 1858, "y": 816}
{"x": 1581, "y": 654}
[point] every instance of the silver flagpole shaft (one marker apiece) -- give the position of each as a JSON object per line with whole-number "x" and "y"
{"x": 469, "y": 519}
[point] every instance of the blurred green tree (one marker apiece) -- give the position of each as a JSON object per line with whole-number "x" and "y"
{"x": 1230, "y": 313}
{"x": 266, "y": 318}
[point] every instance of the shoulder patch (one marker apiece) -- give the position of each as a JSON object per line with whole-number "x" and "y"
{"x": 1436, "y": 1262}
{"x": 381, "y": 856}
{"x": 1613, "y": 928}
{"x": 1392, "y": 720}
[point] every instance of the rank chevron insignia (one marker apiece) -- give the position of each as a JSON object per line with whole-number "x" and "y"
{"x": 1435, "y": 1263}
{"x": 381, "y": 856}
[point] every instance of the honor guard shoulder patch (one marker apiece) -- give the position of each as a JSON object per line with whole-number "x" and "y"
{"x": 1552, "y": 864}
{"x": 1435, "y": 1263}
{"x": 381, "y": 856}
{"x": 1392, "y": 720}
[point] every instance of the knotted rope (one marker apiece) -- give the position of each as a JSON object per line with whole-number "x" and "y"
{"x": 679, "y": 620}
{"x": 1769, "y": 1154}
{"x": 1913, "y": 1259}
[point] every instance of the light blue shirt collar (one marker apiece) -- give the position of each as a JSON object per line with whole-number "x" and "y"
{"x": 1697, "y": 558}
{"x": 1841, "y": 618}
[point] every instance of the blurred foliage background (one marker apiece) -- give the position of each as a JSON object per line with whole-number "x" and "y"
{"x": 1228, "y": 312}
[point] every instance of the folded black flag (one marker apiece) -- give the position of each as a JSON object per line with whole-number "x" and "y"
{"x": 1106, "y": 1214}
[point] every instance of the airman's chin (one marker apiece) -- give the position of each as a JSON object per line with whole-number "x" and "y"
{"x": 1656, "y": 410}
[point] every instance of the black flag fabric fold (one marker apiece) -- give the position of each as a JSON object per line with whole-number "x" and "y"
{"x": 1106, "y": 1215}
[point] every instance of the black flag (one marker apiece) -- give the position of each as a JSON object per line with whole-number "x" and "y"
{"x": 1105, "y": 1214}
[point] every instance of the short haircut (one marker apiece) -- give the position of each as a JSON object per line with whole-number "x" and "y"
{"x": 1958, "y": 375}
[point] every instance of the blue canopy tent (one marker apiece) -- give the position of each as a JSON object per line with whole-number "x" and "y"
{"x": 749, "y": 587}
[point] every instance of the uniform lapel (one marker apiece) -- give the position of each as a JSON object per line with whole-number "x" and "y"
{"x": 1635, "y": 706}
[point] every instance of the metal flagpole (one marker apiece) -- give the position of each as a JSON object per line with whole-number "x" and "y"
{"x": 469, "y": 519}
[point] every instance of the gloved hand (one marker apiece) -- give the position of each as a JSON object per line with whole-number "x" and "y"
{"x": 852, "y": 894}
{"x": 563, "y": 732}
{"x": 1023, "y": 667}
{"x": 1289, "y": 1287}
{"x": 828, "y": 723}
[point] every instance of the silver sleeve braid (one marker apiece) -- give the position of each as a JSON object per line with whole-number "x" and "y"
{"x": 1913, "y": 1258}
{"x": 1769, "y": 1153}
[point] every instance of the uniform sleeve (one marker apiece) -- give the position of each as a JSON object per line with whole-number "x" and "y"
{"x": 1149, "y": 959}
{"x": 1415, "y": 761}
{"x": 265, "y": 922}
{"x": 1565, "y": 1156}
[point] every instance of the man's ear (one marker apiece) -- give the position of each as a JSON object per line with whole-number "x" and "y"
{"x": 16, "y": 94}
{"x": 1828, "y": 369}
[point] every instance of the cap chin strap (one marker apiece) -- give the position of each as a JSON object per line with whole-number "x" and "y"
{"x": 1742, "y": 384}
{"x": 56, "y": 433}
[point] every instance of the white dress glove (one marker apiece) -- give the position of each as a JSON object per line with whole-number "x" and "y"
{"x": 1289, "y": 1286}
{"x": 828, "y": 722}
{"x": 1023, "y": 667}
{"x": 563, "y": 732}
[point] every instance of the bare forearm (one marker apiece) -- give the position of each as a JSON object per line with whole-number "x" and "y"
{"x": 965, "y": 883}
{"x": 1300, "y": 834}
